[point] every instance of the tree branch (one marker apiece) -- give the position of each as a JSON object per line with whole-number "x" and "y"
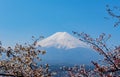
{"x": 7, "y": 75}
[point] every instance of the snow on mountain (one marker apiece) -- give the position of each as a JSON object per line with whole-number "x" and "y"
{"x": 62, "y": 40}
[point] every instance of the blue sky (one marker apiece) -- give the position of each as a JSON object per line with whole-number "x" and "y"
{"x": 21, "y": 19}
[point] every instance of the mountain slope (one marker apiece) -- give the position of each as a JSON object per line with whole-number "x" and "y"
{"x": 70, "y": 56}
{"x": 62, "y": 40}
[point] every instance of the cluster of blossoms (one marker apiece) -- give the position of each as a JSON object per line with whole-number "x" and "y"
{"x": 22, "y": 61}
{"x": 111, "y": 67}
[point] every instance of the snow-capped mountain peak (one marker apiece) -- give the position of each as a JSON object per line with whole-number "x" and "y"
{"x": 62, "y": 40}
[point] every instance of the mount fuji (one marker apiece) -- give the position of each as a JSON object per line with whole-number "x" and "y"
{"x": 63, "y": 48}
{"x": 62, "y": 40}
